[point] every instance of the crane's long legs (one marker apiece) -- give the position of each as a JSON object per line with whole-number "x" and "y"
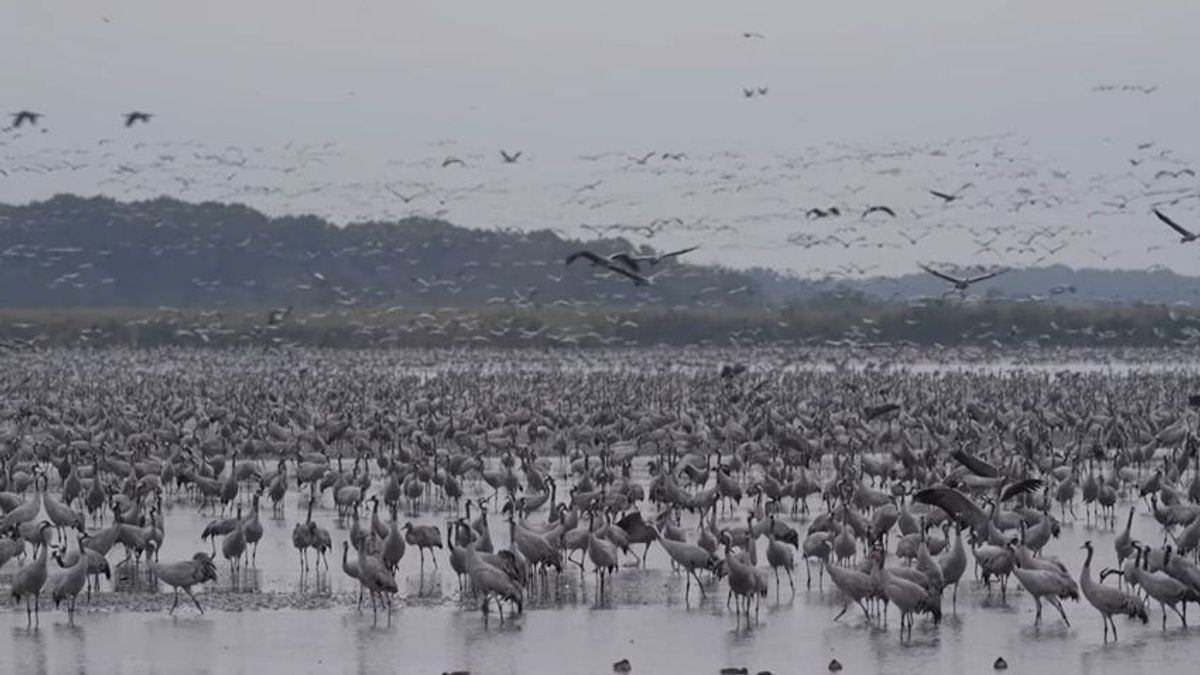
{"x": 193, "y": 597}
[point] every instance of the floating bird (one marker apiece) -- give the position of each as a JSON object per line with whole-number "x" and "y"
{"x": 962, "y": 284}
{"x": 1187, "y": 236}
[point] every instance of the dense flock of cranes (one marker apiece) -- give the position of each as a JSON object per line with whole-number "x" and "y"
{"x": 886, "y": 485}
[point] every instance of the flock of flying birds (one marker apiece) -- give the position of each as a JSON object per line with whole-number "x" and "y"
{"x": 707, "y": 183}
{"x": 1024, "y": 211}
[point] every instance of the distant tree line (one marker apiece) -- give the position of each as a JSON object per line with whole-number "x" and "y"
{"x": 96, "y": 252}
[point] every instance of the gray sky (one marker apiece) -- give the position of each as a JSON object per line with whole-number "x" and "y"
{"x": 344, "y": 100}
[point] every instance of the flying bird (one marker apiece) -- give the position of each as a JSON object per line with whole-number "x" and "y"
{"x": 510, "y": 159}
{"x": 1174, "y": 174}
{"x": 759, "y": 36}
{"x": 600, "y": 261}
{"x": 962, "y": 284}
{"x": 403, "y": 197}
{"x": 644, "y": 158}
{"x": 634, "y": 262}
{"x": 879, "y": 209}
{"x": 948, "y": 197}
{"x": 277, "y": 315}
{"x": 24, "y": 116}
{"x": 1187, "y": 236}
{"x": 136, "y": 116}
{"x": 762, "y": 91}
{"x": 748, "y": 93}
{"x": 452, "y": 160}
{"x": 818, "y": 213}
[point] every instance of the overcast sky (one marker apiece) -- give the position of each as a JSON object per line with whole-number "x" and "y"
{"x": 386, "y": 81}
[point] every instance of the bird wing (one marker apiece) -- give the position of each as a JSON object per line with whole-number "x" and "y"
{"x": 630, "y": 262}
{"x": 941, "y": 275}
{"x": 674, "y": 254}
{"x": 588, "y": 255}
{"x": 871, "y": 412}
{"x": 975, "y": 465}
{"x": 989, "y": 275}
{"x": 1021, "y": 487}
{"x": 955, "y": 503}
{"x": 637, "y": 278}
{"x": 1174, "y": 225}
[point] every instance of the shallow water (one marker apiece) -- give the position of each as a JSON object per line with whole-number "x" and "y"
{"x": 272, "y": 621}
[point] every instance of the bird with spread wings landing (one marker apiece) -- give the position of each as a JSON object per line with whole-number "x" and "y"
{"x": 610, "y": 265}
{"x": 961, "y": 284}
{"x": 24, "y": 116}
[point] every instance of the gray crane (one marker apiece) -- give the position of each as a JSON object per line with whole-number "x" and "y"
{"x": 1106, "y": 599}
{"x": 184, "y": 574}
{"x": 67, "y": 585}
{"x": 29, "y": 580}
